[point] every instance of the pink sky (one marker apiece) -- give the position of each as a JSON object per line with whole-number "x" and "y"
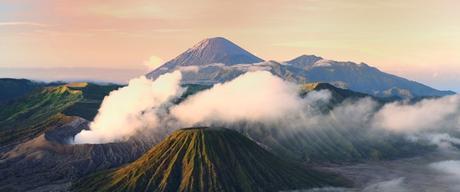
{"x": 420, "y": 41}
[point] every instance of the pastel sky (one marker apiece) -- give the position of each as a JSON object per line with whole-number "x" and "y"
{"x": 416, "y": 39}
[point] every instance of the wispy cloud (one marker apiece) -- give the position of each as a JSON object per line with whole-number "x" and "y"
{"x": 22, "y": 23}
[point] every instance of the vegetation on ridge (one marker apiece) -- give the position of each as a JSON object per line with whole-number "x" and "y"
{"x": 46, "y": 107}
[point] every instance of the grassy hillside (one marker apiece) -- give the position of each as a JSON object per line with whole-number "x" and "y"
{"x": 204, "y": 159}
{"x": 27, "y": 117}
{"x": 93, "y": 95}
{"x": 48, "y": 107}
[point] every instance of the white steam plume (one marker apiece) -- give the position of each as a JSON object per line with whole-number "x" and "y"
{"x": 254, "y": 96}
{"x": 131, "y": 109}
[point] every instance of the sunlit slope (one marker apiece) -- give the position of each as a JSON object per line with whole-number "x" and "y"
{"x": 205, "y": 159}
{"x": 93, "y": 95}
{"x": 29, "y": 116}
{"x": 48, "y": 107}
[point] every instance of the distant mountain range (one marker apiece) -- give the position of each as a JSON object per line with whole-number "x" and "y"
{"x": 16, "y": 88}
{"x": 217, "y": 60}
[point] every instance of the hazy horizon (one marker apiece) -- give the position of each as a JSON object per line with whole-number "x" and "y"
{"x": 104, "y": 75}
{"x": 418, "y": 41}
{"x": 123, "y": 75}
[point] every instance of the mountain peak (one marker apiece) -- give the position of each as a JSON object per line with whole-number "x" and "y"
{"x": 209, "y": 51}
{"x": 305, "y": 56}
{"x": 304, "y": 61}
{"x": 215, "y": 50}
{"x": 210, "y": 41}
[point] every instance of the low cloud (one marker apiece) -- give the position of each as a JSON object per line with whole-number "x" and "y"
{"x": 191, "y": 68}
{"x": 254, "y": 96}
{"x": 262, "y": 98}
{"x": 396, "y": 185}
{"x": 442, "y": 140}
{"x": 427, "y": 114}
{"x": 451, "y": 167}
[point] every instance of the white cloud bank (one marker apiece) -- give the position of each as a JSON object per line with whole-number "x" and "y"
{"x": 255, "y": 97}
{"x": 451, "y": 167}
{"x": 424, "y": 115}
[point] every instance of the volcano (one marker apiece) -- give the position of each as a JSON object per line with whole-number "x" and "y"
{"x": 208, "y": 159}
{"x": 216, "y": 50}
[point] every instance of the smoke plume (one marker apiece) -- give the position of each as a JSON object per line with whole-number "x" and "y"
{"x": 131, "y": 109}
{"x": 254, "y": 96}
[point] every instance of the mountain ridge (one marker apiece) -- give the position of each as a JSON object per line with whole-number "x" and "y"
{"x": 304, "y": 61}
{"x": 204, "y": 68}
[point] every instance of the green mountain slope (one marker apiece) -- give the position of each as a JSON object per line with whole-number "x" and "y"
{"x": 93, "y": 95}
{"x": 205, "y": 159}
{"x": 29, "y": 116}
{"x": 48, "y": 107}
